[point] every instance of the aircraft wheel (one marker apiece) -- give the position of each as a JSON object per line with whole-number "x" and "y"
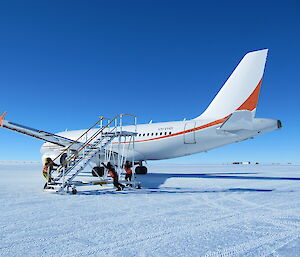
{"x": 141, "y": 170}
{"x": 74, "y": 191}
{"x": 62, "y": 159}
{"x": 99, "y": 171}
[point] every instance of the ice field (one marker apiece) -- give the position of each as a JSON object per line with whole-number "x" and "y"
{"x": 182, "y": 210}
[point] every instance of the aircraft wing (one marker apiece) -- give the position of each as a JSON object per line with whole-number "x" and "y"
{"x": 39, "y": 134}
{"x": 239, "y": 120}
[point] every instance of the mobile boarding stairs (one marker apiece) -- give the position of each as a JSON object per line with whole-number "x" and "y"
{"x": 108, "y": 143}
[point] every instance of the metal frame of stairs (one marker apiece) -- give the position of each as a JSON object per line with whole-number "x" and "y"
{"x": 92, "y": 143}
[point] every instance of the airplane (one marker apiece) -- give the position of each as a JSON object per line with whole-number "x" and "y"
{"x": 229, "y": 118}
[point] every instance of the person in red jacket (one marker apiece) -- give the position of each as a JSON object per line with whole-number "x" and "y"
{"x": 114, "y": 175}
{"x": 128, "y": 170}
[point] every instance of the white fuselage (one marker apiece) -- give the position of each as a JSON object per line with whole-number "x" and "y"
{"x": 157, "y": 141}
{"x": 229, "y": 118}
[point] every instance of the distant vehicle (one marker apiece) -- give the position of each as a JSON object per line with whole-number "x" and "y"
{"x": 229, "y": 118}
{"x": 244, "y": 162}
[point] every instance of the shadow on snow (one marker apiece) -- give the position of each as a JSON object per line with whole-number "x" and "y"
{"x": 151, "y": 184}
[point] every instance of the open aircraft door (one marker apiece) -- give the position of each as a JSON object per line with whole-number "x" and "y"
{"x": 189, "y": 133}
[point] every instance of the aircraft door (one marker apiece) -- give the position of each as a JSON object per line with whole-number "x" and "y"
{"x": 189, "y": 133}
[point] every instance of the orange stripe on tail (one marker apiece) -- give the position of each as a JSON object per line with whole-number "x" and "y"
{"x": 251, "y": 102}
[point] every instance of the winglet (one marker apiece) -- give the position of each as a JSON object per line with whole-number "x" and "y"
{"x": 2, "y": 119}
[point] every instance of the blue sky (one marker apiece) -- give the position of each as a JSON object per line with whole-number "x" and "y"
{"x": 64, "y": 63}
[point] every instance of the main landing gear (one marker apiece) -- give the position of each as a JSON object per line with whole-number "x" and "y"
{"x": 140, "y": 169}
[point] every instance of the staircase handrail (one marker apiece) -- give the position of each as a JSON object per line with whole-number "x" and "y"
{"x": 76, "y": 141}
{"x": 93, "y": 137}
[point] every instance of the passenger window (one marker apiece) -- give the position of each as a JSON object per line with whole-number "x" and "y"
{"x": 143, "y": 135}
{"x": 165, "y": 133}
{"x": 170, "y": 133}
{"x": 140, "y": 135}
{"x": 151, "y": 134}
{"x": 156, "y": 134}
{"x": 160, "y": 133}
{"x": 147, "y": 134}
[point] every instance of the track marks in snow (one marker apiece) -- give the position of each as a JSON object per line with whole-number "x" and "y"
{"x": 257, "y": 247}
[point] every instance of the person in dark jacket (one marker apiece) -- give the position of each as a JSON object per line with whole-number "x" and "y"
{"x": 48, "y": 169}
{"x": 114, "y": 175}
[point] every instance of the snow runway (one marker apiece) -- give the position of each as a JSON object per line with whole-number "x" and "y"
{"x": 214, "y": 210}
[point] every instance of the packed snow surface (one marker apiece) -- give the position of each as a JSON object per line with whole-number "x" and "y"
{"x": 182, "y": 210}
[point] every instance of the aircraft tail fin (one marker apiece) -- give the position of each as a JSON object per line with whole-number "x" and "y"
{"x": 241, "y": 90}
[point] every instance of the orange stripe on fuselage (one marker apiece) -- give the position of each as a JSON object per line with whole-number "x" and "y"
{"x": 186, "y": 131}
{"x": 176, "y": 134}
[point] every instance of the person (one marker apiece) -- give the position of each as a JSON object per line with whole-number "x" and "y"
{"x": 47, "y": 170}
{"x": 128, "y": 171}
{"x": 114, "y": 175}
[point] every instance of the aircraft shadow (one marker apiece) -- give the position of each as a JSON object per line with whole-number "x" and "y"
{"x": 151, "y": 183}
{"x": 155, "y": 180}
